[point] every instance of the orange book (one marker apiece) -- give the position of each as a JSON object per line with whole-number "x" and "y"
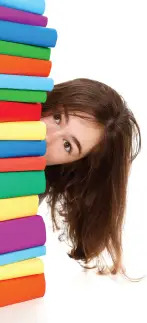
{"x": 18, "y": 164}
{"x": 21, "y": 289}
{"x": 24, "y": 66}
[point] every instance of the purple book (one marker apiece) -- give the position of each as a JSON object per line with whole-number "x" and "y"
{"x": 22, "y": 17}
{"x": 22, "y": 233}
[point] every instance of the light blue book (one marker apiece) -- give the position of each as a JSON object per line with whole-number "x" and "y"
{"x": 35, "y": 6}
{"x": 22, "y": 82}
{"x": 11, "y": 257}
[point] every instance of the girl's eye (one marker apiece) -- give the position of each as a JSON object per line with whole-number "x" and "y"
{"x": 68, "y": 145}
{"x": 57, "y": 116}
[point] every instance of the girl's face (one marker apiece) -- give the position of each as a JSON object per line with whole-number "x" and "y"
{"x": 69, "y": 138}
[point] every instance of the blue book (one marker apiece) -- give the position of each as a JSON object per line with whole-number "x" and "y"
{"x": 22, "y": 148}
{"x": 27, "y": 34}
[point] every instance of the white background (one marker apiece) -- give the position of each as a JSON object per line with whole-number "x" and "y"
{"x": 103, "y": 40}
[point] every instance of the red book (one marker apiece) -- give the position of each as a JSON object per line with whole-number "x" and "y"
{"x": 16, "y": 111}
{"x": 19, "y": 164}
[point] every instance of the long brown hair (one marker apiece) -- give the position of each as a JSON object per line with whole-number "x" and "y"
{"x": 90, "y": 194}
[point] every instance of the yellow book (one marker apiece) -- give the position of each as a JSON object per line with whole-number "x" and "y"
{"x": 23, "y": 130}
{"x": 22, "y": 268}
{"x": 18, "y": 207}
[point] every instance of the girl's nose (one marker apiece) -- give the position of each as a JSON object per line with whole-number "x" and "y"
{"x": 53, "y": 131}
{"x": 53, "y": 134}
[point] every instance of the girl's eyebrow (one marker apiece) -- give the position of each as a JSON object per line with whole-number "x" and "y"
{"x": 76, "y": 141}
{"x": 66, "y": 116}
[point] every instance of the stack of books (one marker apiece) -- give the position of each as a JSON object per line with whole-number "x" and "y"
{"x": 25, "y": 49}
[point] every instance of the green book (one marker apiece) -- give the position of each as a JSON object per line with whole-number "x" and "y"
{"x": 13, "y": 184}
{"x": 15, "y": 49}
{"x": 23, "y": 95}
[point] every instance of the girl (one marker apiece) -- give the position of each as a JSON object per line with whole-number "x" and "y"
{"x": 90, "y": 137}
